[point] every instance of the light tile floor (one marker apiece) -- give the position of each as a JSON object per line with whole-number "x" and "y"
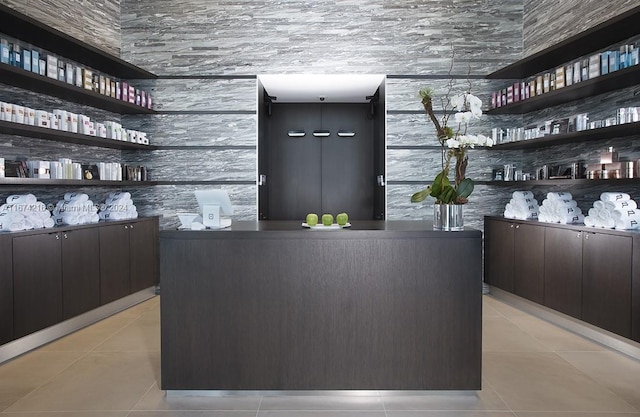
{"x": 530, "y": 369}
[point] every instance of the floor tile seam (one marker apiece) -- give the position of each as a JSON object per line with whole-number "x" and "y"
{"x": 117, "y": 332}
{"x": 259, "y": 405}
{"x": 604, "y": 387}
{"x": 134, "y": 407}
{"x": 47, "y": 380}
{"x": 495, "y": 390}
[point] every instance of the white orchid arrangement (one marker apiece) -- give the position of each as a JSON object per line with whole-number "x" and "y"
{"x": 454, "y": 144}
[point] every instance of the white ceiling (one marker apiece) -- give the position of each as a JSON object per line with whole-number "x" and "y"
{"x": 308, "y": 88}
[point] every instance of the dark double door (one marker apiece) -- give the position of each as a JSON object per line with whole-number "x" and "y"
{"x": 311, "y": 174}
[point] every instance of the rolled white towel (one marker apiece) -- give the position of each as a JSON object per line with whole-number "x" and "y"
{"x": 561, "y": 195}
{"x": 607, "y": 196}
{"x": 570, "y": 219}
{"x": 48, "y": 223}
{"x": 622, "y": 204}
{"x": 76, "y": 197}
{"x": 22, "y": 198}
{"x": 94, "y": 218}
{"x": 588, "y": 221}
{"x": 120, "y": 201}
{"x": 522, "y": 194}
{"x": 599, "y": 204}
{"x": 604, "y": 214}
{"x": 12, "y": 226}
{"x": 119, "y": 194}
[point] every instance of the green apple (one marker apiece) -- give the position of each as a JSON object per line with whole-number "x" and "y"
{"x": 342, "y": 219}
{"x": 327, "y": 219}
{"x": 312, "y": 219}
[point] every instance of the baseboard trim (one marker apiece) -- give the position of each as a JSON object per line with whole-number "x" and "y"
{"x": 591, "y": 332}
{"x": 27, "y": 343}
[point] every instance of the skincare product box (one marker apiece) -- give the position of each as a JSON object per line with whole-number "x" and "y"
{"x": 61, "y": 71}
{"x": 102, "y": 85}
{"x": 16, "y": 55}
{"x": 29, "y": 116}
{"x": 594, "y": 66}
{"x": 568, "y": 75}
{"x": 604, "y": 63}
{"x": 584, "y": 70}
{"x": 560, "y": 77}
{"x": 78, "y": 78}
{"x": 132, "y": 94}
{"x": 70, "y": 73}
{"x": 42, "y": 119}
{"x": 17, "y": 114}
{"x": 7, "y": 111}
{"x": 54, "y": 121}
{"x": 35, "y": 61}
{"x": 609, "y": 156}
{"x": 4, "y": 51}
{"x": 1, "y": 167}
{"x": 39, "y": 169}
{"x": 72, "y": 122}
{"x": 614, "y": 61}
{"x": 577, "y": 72}
{"x": 539, "y": 85}
{"x": 125, "y": 91}
{"x": 52, "y": 67}
{"x": 118, "y": 89}
{"x": 107, "y": 86}
{"x": 87, "y": 79}
{"x": 113, "y": 89}
{"x": 546, "y": 83}
{"x": 510, "y": 94}
{"x": 42, "y": 67}
{"x": 26, "y": 59}
{"x": 101, "y": 130}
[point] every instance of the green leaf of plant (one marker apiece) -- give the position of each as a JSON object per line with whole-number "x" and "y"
{"x": 439, "y": 183}
{"x": 448, "y": 195}
{"x": 465, "y": 188}
{"x": 421, "y": 195}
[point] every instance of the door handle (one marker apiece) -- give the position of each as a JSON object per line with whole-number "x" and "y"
{"x": 262, "y": 179}
{"x": 381, "y": 181}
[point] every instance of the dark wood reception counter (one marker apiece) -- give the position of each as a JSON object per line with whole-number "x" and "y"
{"x": 272, "y": 306}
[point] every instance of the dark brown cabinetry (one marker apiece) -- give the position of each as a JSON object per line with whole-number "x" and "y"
{"x": 590, "y": 275}
{"x": 6, "y": 290}
{"x": 128, "y": 258}
{"x": 50, "y": 276}
{"x": 563, "y": 271}
{"x": 37, "y": 284}
{"x": 63, "y": 283}
{"x": 606, "y": 282}
{"x": 514, "y": 256}
{"x": 80, "y": 271}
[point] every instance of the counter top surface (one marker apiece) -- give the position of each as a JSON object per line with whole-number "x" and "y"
{"x": 359, "y": 228}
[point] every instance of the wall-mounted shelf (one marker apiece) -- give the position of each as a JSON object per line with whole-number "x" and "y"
{"x": 67, "y": 137}
{"x": 41, "y": 84}
{"x": 75, "y": 183}
{"x": 607, "y": 33}
{"x": 28, "y": 30}
{"x": 579, "y": 181}
{"x": 605, "y": 83}
{"x": 617, "y": 131}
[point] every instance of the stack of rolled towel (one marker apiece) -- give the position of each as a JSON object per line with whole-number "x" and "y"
{"x": 118, "y": 206}
{"x": 560, "y": 207}
{"x": 74, "y": 209}
{"x": 522, "y": 206}
{"x": 614, "y": 211}
{"x": 24, "y": 212}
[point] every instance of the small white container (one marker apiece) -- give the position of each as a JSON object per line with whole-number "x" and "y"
{"x": 17, "y": 114}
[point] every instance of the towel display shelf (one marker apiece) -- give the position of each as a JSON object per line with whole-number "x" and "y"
{"x": 587, "y": 273}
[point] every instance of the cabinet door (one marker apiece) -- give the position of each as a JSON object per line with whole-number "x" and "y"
{"x": 563, "y": 271}
{"x": 498, "y": 243}
{"x": 528, "y": 262}
{"x": 606, "y": 282}
{"x": 143, "y": 240}
{"x": 80, "y": 271}
{"x": 37, "y": 276}
{"x": 6, "y": 290}
{"x": 114, "y": 262}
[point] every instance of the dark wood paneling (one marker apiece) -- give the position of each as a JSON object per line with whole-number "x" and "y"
{"x": 498, "y": 252}
{"x": 268, "y": 310}
{"x": 294, "y": 177}
{"x": 528, "y": 262}
{"x": 635, "y": 290}
{"x": 606, "y": 282}
{"x": 348, "y": 178}
{"x": 114, "y": 262}
{"x": 6, "y": 289}
{"x": 80, "y": 271}
{"x": 37, "y": 284}
{"x": 143, "y": 240}
{"x": 563, "y": 271}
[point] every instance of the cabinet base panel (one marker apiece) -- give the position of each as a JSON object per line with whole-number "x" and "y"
{"x": 596, "y": 334}
{"x": 20, "y": 346}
